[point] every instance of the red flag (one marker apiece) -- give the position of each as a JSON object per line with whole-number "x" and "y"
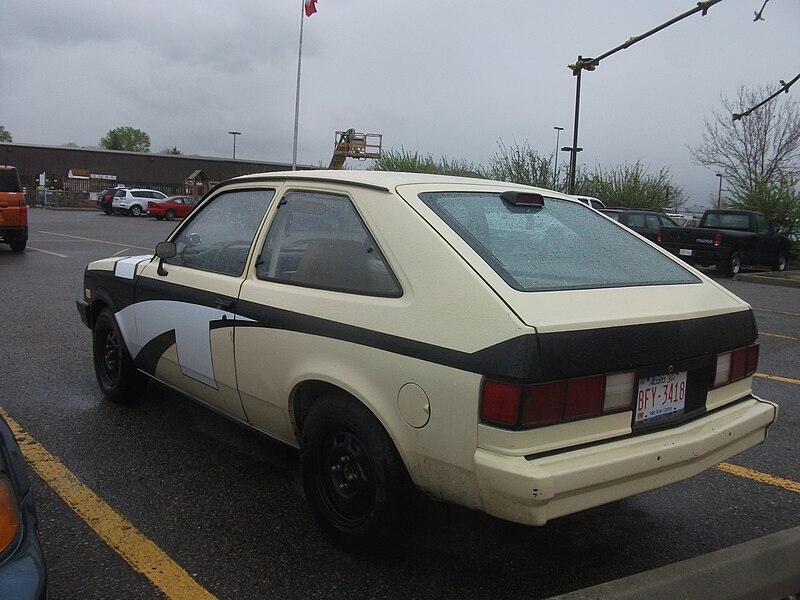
{"x": 311, "y": 7}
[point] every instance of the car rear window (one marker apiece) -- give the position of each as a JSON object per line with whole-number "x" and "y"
{"x": 560, "y": 246}
{"x": 727, "y": 221}
{"x": 9, "y": 181}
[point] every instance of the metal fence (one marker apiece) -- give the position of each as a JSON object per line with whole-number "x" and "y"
{"x": 61, "y": 199}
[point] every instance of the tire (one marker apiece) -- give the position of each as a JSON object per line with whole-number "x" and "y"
{"x": 117, "y": 376}
{"x": 18, "y": 245}
{"x": 780, "y": 262}
{"x": 169, "y": 215}
{"x": 108, "y": 211}
{"x": 135, "y": 210}
{"x": 354, "y": 479}
{"x": 732, "y": 266}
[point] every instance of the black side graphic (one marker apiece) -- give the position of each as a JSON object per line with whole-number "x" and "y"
{"x": 151, "y": 353}
{"x": 529, "y": 358}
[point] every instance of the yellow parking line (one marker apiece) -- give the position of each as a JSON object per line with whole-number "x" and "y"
{"x": 139, "y": 551}
{"x": 777, "y": 378}
{"x": 783, "y": 337}
{"x": 786, "y": 484}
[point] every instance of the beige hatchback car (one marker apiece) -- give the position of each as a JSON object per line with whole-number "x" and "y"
{"x": 497, "y": 346}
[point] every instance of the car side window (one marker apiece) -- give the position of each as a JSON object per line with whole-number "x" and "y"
{"x": 762, "y": 223}
{"x": 636, "y": 220}
{"x": 653, "y": 222}
{"x": 218, "y": 238}
{"x": 667, "y": 222}
{"x": 319, "y": 240}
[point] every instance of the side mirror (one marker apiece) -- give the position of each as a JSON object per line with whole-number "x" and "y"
{"x": 164, "y": 250}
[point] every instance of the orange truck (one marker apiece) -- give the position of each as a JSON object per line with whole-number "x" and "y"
{"x": 13, "y": 211}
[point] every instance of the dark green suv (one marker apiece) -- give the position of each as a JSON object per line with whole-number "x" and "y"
{"x": 647, "y": 223}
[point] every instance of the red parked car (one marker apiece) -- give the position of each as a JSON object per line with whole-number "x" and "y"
{"x": 174, "y": 206}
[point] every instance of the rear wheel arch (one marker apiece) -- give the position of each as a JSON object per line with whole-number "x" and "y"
{"x": 303, "y": 396}
{"x": 306, "y": 393}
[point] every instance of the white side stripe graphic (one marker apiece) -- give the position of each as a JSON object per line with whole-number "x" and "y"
{"x": 126, "y": 268}
{"x": 142, "y": 322}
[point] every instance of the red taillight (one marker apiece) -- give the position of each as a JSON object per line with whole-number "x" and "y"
{"x": 151, "y": 204}
{"x": 23, "y": 212}
{"x": 718, "y": 239}
{"x": 735, "y": 365}
{"x": 534, "y": 405}
{"x": 501, "y": 402}
{"x": 543, "y": 403}
{"x": 659, "y": 236}
{"x": 584, "y": 397}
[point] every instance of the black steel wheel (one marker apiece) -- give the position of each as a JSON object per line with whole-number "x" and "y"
{"x": 354, "y": 479}
{"x": 117, "y": 376}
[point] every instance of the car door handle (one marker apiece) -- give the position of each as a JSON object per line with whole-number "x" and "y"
{"x": 225, "y": 303}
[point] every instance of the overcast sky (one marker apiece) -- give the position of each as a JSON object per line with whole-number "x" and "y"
{"x": 447, "y": 78}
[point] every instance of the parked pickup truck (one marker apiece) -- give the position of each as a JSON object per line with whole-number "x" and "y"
{"x": 728, "y": 239}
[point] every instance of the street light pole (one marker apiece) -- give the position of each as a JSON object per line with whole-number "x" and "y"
{"x": 234, "y": 134}
{"x": 555, "y": 168}
{"x": 573, "y": 156}
{"x": 719, "y": 193}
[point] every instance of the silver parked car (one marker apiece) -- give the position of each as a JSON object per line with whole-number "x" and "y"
{"x": 133, "y": 201}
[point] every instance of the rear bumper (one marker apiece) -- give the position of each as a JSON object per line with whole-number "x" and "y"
{"x": 532, "y": 491}
{"x": 702, "y": 255}
{"x": 13, "y": 233}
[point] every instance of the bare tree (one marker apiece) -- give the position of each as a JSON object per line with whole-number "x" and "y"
{"x": 753, "y": 152}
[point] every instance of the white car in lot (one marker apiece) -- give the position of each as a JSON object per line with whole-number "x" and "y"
{"x": 133, "y": 201}
{"x": 497, "y": 346}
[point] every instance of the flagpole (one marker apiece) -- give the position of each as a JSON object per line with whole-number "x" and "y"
{"x": 297, "y": 93}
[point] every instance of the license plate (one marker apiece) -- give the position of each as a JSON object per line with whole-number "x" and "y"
{"x": 685, "y": 251}
{"x": 659, "y": 396}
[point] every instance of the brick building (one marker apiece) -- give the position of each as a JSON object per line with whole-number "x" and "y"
{"x": 75, "y": 175}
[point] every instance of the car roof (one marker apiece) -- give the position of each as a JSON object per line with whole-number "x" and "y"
{"x": 627, "y": 209}
{"x": 388, "y": 180}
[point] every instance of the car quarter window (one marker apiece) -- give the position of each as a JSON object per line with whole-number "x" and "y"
{"x": 218, "y": 237}
{"x": 319, "y": 240}
{"x": 653, "y": 222}
{"x": 558, "y": 246}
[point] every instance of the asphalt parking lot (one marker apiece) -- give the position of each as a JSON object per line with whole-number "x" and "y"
{"x": 164, "y": 498}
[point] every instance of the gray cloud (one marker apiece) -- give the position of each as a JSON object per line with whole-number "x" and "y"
{"x": 449, "y": 77}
